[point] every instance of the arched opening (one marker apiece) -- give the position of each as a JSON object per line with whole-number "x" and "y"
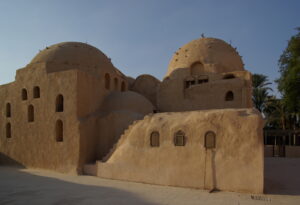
{"x": 210, "y": 140}
{"x": 179, "y": 138}
{"x": 24, "y": 94}
{"x": 59, "y": 131}
{"x": 123, "y": 87}
{"x": 116, "y": 83}
{"x": 197, "y": 68}
{"x": 107, "y": 81}
{"x": 36, "y": 92}
{"x": 229, "y": 76}
{"x": 8, "y": 110}
{"x": 8, "y": 130}
{"x": 229, "y": 96}
{"x": 154, "y": 139}
{"x": 59, "y": 104}
{"x": 30, "y": 113}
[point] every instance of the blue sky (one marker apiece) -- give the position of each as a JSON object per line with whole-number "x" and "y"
{"x": 140, "y": 36}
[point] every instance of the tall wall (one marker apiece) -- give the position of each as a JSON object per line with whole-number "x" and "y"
{"x": 91, "y": 92}
{"x": 34, "y": 144}
{"x": 175, "y": 95}
{"x": 235, "y": 164}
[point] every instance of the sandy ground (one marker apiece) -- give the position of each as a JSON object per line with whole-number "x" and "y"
{"x": 30, "y": 186}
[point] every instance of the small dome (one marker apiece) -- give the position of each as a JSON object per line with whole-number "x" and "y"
{"x": 147, "y": 86}
{"x": 209, "y": 55}
{"x": 127, "y": 101}
{"x": 72, "y": 53}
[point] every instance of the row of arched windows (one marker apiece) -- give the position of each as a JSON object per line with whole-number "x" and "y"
{"x": 59, "y": 107}
{"x": 36, "y": 93}
{"x": 115, "y": 83}
{"x": 180, "y": 139}
{"x": 59, "y": 130}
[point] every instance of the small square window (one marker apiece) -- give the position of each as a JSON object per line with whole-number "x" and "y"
{"x": 179, "y": 139}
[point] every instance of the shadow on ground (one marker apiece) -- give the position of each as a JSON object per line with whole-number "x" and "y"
{"x": 19, "y": 187}
{"x": 282, "y": 176}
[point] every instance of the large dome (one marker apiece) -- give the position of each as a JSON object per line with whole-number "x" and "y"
{"x": 73, "y": 54}
{"x": 212, "y": 55}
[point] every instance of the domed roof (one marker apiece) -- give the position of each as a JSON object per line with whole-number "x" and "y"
{"x": 127, "y": 101}
{"x": 72, "y": 53}
{"x": 214, "y": 55}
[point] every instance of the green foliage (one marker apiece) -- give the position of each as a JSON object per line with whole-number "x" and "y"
{"x": 260, "y": 91}
{"x": 289, "y": 81}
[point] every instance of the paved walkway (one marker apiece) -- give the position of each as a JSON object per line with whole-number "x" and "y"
{"x": 28, "y": 186}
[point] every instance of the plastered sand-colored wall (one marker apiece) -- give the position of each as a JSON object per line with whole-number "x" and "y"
{"x": 236, "y": 164}
{"x": 33, "y": 144}
{"x": 173, "y": 96}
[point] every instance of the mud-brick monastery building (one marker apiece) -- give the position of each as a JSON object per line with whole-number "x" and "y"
{"x": 70, "y": 110}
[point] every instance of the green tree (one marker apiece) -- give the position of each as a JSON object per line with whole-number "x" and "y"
{"x": 260, "y": 91}
{"x": 276, "y": 113}
{"x": 289, "y": 81}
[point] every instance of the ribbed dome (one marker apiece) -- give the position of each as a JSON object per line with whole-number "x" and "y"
{"x": 210, "y": 54}
{"x": 72, "y": 53}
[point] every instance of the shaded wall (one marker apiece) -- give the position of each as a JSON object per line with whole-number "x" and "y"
{"x": 34, "y": 144}
{"x": 236, "y": 164}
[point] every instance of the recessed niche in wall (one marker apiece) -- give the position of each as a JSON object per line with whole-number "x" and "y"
{"x": 36, "y": 92}
{"x": 228, "y": 76}
{"x": 59, "y": 131}
{"x": 116, "y": 83}
{"x": 179, "y": 138}
{"x": 30, "y": 113}
{"x": 107, "y": 81}
{"x": 123, "y": 86}
{"x": 154, "y": 139}
{"x": 59, "y": 103}
{"x": 8, "y": 110}
{"x": 210, "y": 140}
{"x": 8, "y": 130}
{"x": 24, "y": 94}
{"x": 229, "y": 96}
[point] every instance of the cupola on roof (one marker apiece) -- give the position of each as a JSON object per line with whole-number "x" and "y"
{"x": 213, "y": 54}
{"x": 72, "y": 53}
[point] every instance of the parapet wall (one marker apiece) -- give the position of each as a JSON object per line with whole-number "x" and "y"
{"x": 235, "y": 164}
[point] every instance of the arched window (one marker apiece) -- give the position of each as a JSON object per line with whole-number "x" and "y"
{"x": 59, "y": 131}
{"x": 8, "y": 110}
{"x": 154, "y": 139}
{"x": 210, "y": 140}
{"x": 179, "y": 138}
{"x": 116, "y": 83}
{"x": 36, "y": 92}
{"x": 30, "y": 113}
{"x": 228, "y": 76}
{"x": 8, "y": 130}
{"x": 107, "y": 81}
{"x": 59, "y": 104}
{"x": 123, "y": 86}
{"x": 229, "y": 96}
{"x": 24, "y": 94}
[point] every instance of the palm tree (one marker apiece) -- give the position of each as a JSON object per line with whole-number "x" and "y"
{"x": 276, "y": 113}
{"x": 260, "y": 91}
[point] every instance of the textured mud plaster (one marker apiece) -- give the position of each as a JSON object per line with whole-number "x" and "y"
{"x": 147, "y": 86}
{"x": 236, "y": 164}
{"x": 71, "y": 69}
{"x": 71, "y": 110}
